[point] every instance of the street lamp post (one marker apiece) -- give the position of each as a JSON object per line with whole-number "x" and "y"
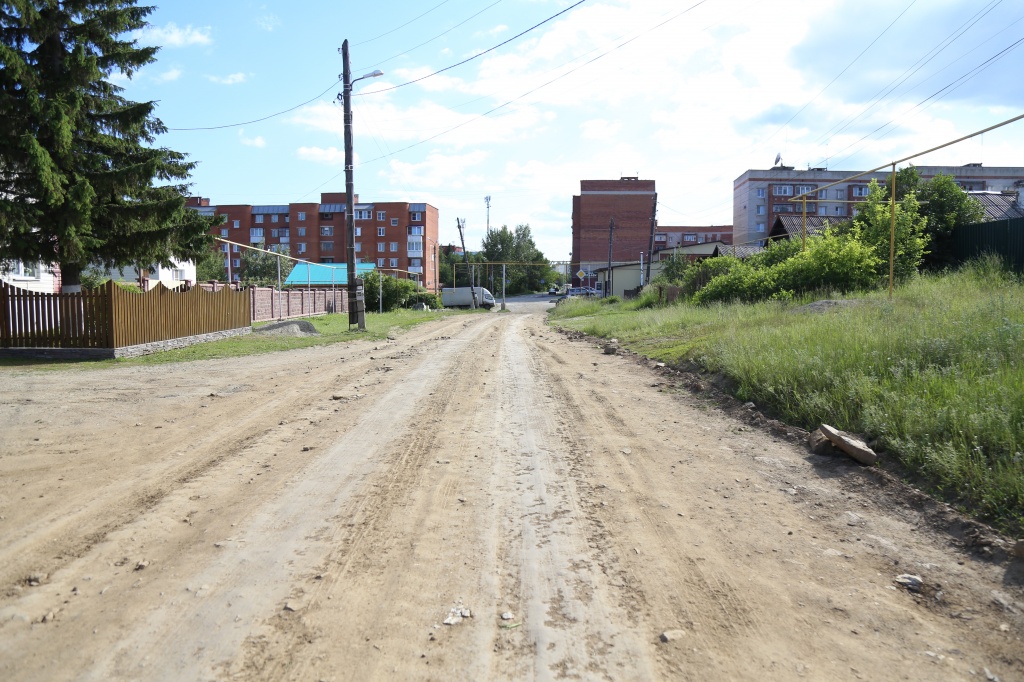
{"x": 356, "y": 314}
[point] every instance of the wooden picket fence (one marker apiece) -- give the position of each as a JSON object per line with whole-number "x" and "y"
{"x": 112, "y": 317}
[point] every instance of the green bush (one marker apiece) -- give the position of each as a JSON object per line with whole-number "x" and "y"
{"x": 696, "y": 277}
{"x": 432, "y": 301}
{"x": 608, "y": 300}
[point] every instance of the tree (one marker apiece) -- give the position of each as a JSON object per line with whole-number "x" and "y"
{"x": 77, "y": 169}
{"x": 259, "y": 268}
{"x": 397, "y": 292}
{"x": 502, "y": 245}
{"x": 873, "y": 226}
{"x": 947, "y": 208}
{"x": 210, "y": 266}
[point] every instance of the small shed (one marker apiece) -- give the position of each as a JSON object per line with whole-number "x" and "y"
{"x": 324, "y": 274}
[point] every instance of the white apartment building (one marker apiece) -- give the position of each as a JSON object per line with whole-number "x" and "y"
{"x": 761, "y": 195}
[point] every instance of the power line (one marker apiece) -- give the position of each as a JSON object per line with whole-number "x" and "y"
{"x": 258, "y": 120}
{"x": 403, "y": 25}
{"x": 529, "y": 92}
{"x": 913, "y": 69}
{"x": 478, "y": 55}
{"x": 862, "y": 52}
{"x": 439, "y": 35}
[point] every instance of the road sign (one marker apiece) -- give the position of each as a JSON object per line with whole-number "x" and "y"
{"x": 581, "y": 274}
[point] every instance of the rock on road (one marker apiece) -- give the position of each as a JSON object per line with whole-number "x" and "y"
{"x": 478, "y": 498}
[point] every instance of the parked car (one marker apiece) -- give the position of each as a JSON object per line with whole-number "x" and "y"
{"x": 553, "y": 291}
{"x": 581, "y": 291}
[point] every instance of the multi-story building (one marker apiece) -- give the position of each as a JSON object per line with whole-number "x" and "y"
{"x": 631, "y": 203}
{"x": 400, "y": 237}
{"x": 759, "y": 196}
{"x": 674, "y": 237}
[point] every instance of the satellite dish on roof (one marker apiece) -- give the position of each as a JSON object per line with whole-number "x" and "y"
{"x": 778, "y": 158}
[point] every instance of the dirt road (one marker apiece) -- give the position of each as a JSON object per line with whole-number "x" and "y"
{"x": 479, "y": 498}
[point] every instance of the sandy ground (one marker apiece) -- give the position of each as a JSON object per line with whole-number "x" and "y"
{"x": 320, "y": 514}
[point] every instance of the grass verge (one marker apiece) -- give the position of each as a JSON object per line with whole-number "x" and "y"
{"x": 332, "y": 328}
{"x": 935, "y": 376}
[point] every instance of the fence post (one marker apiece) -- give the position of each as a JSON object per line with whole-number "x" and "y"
{"x": 5, "y": 330}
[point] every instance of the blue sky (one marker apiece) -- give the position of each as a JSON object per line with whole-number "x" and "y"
{"x": 690, "y": 99}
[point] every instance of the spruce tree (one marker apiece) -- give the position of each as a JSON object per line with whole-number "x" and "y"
{"x": 80, "y": 179}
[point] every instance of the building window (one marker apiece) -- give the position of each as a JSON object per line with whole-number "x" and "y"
{"x": 273, "y": 232}
{"x": 236, "y": 248}
{"x": 381, "y": 246}
{"x": 394, "y": 222}
{"x": 415, "y": 245}
{"x": 416, "y": 229}
{"x": 300, "y": 247}
{"x": 259, "y": 218}
{"x": 804, "y": 189}
{"x": 782, "y": 208}
{"x": 362, "y": 214}
{"x": 359, "y": 247}
{"x": 225, "y": 248}
{"x": 394, "y": 262}
{"x": 759, "y": 227}
{"x": 381, "y": 215}
{"x": 273, "y": 218}
{"x": 255, "y": 234}
{"x": 823, "y": 194}
{"x": 416, "y": 217}
{"x": 416, "y": 262}
{"x": 236, "y": 262}
{"x": 326, "y": 231}
{"x": 394, "y": 246}
{"x": 840, "y": 194}
{"x": 326, "y": 216}
{"x": 301, "y": 231}
{"x": 234, "y": 223}
{"x": 860, "y": 190}
{"x": 380, "y": 231}
{"x": 380, "y": 262}
{"x": 760, "y": 192}
{"x": 823, "y": 210}
{"x": 327, "y": 246}
{"x": 783, "y": 190}
{"x": 287, "y": 218}
{"x": 224, "y": 232}
{"x": 301, "y": 215}
{"x": 285, "y": 232}
{"x": 326, "y": 260}
{"x": 689, "y": 237}
{"x": 760, "y": 210}
{"x": 840, "y": 211}
{"x": 358, "y": 231}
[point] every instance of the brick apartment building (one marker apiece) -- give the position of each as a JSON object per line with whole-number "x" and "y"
{"x": 631, "y": 202}
{"x": 395, "y": 236}
{"x": 759, "y": 196}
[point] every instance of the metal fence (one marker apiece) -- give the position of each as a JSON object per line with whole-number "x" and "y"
{"x": 112, "y": 317}
{"x": 1001, "y": 237}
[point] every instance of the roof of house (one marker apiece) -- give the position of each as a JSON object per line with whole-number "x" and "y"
{"x": 792, "y": 226}
{"x": 998, "y": 206}
{"x": 322, "y": 274}
{"x": 739, "y": 250}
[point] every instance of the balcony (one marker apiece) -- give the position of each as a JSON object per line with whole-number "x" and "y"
{"x": 416, "y": 268}
{"x": 415, "y": 253}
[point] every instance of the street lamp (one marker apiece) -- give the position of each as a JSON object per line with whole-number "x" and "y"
{"x": 356, "y": 314}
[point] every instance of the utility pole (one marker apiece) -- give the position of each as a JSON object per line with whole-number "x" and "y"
{"x": 654, "y": 224}
{"x": 487, "y": 200}
{"x": 356, "y": 315}
{"x": 608, "y": 277}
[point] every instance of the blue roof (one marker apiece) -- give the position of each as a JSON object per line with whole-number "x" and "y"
{"x": 322, "y": 274}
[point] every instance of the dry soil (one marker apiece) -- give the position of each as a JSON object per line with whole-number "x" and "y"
{"x": 479, "y": 498}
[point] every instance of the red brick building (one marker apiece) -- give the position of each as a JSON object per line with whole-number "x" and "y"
{"x": 631, "y": 203}
{"x": 400, "y": 237}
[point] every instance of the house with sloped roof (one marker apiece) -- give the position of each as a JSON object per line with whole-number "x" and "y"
{"x": 999, "y": 205}
{"x": 792, "y": 226}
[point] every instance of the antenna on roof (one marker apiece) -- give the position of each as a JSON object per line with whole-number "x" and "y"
{"x": 778, "y": 158}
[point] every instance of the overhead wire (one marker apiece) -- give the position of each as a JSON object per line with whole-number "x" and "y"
{"x": 525, "y": 94}
{"x": 397, "y": 28}
{"x": 426, "y": 42}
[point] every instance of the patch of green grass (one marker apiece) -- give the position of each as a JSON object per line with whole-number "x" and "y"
{"x": 332, "y": 328}
{"x": 936, "y": 375}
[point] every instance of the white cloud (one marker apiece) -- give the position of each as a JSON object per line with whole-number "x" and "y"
{"x": 492, "y": 32}
{"x": 437, "y": 170}
{"x": 118, "y": 78}
{"x": 257, "y": 141}
{"x": 268, "y": 22}
{"x": 230, "y": 79}
{"x": 169, "y": 75}
{"x": 173, "y": 36}
{"x": 331, "y": 156}
{"x": 599, "y": 129}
